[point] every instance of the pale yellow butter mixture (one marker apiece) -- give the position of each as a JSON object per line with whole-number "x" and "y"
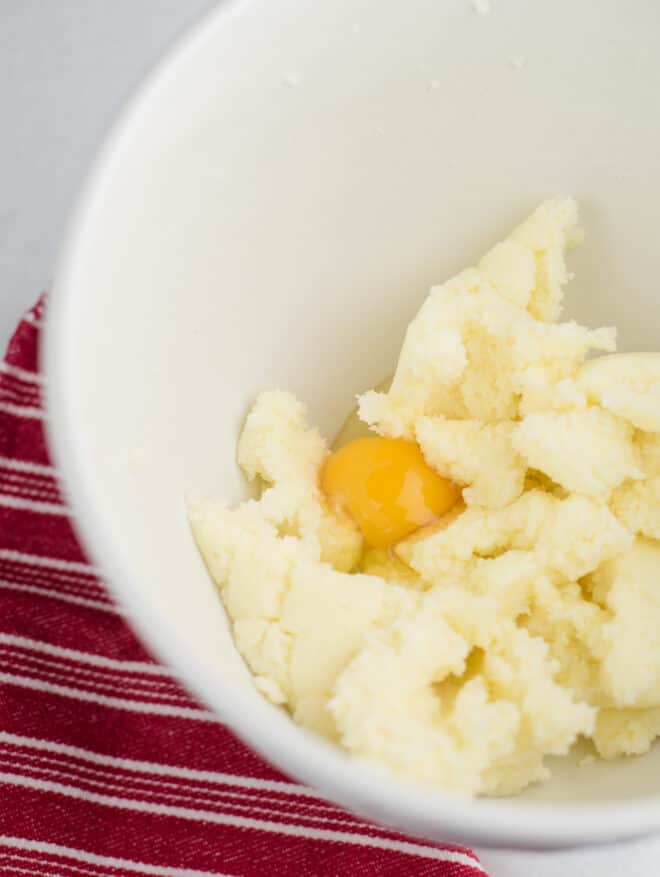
{"x": 530, "y": 614}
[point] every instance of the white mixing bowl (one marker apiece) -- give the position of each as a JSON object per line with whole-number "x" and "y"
{"x": 270, "y": 211}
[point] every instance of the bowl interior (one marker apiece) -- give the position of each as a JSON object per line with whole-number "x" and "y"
{"x": 271, "y": 213}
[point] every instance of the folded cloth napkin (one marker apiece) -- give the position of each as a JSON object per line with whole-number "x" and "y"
{"x": 107, "y": 766}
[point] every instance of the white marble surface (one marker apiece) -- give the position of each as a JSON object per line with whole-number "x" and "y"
{"x": 65, "y": 68}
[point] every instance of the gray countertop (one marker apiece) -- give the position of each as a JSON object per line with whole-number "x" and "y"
{"x": 66, "y": 66}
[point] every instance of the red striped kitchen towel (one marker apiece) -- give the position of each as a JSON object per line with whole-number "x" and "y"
{"x": 107, "y": 766}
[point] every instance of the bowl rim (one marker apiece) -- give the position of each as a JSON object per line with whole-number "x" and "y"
{"x": 337, "y": 776}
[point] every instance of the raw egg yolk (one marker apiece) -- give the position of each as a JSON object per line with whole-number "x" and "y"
{"x": 387, "y": 488}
